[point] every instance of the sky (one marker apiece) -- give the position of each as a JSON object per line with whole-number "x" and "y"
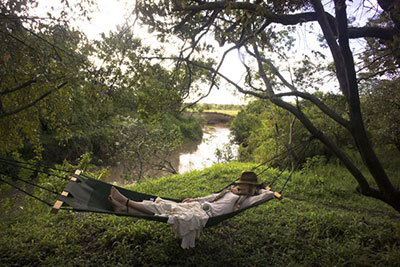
{"x": 110, "y": 13}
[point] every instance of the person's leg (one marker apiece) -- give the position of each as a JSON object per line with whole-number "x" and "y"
{"x": 139, "y": 206}
{"x": 117, "y": 206}
{"x": 122, "y": 204}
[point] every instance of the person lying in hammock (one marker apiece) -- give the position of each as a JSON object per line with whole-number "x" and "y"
{"x": 190, "y": 216}
{"x": 246, "y": 192}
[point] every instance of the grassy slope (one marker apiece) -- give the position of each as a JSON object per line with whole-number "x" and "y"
{"x": 320, "y": 222}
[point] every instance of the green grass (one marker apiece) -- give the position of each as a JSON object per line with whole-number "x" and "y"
{"x": 224, "y": 111}
{"x": 321, "y": 221}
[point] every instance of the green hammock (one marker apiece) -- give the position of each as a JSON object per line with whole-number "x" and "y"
{"x": 90, "y": 195}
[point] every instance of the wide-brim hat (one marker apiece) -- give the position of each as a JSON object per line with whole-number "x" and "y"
{"x": 249, "y": 177}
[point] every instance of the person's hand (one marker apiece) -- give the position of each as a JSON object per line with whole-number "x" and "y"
{"x": 235, "y": 190}
{"x": 188, "y": 200}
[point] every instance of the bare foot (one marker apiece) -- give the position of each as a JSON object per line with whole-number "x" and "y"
{"x": 117, "y": 196}
{"x": 119, "y": 203}
{"x": 117, "y": 206}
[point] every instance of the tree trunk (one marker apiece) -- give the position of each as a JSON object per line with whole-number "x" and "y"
{"x": 364, "y": 186}
{"x": 387, "y": 191}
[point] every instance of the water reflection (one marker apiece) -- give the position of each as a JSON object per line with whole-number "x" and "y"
{"x": 203, "y": 155}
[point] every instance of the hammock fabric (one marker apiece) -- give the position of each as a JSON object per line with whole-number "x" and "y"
{"x": 90, "y": 195}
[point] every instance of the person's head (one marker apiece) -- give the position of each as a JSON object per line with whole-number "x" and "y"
{"x": 247, "y": 184}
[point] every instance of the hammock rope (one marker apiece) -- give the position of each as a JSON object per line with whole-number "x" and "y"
{"x": 298, "y": 163}
{"x": 283, "y": 153}
{"x": 28, "y": 182}
{"x": 26, "y": 192}
{"x": 301, "y": 148}
{"x": 30, "y": 166}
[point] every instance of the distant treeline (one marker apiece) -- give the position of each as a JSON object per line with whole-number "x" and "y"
{"x": 206, "y": 106}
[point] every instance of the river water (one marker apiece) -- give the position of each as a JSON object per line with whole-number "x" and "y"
{"x": 191, "y": 156}
{"x": 203, "y": 155}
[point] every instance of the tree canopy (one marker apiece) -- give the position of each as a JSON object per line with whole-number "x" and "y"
{"x": 63, "y": 95}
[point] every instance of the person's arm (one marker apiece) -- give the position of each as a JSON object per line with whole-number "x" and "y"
{"x": 208, "y": 198}
{"x": 262, "y": 195}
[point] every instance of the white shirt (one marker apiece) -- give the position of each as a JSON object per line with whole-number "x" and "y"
{"x": 226, "y": 203}
{"x": 189, "y": 218}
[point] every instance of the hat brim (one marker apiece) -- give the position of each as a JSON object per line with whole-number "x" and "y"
{"x": 258, "y": 182}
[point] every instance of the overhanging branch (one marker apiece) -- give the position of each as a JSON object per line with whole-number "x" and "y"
{"x": 8, "y": 113}
{"x": 371, "y": 32}
{"x": 19, "y": 87}
{"x": 336, "y": 117}
{"x": 294, "y": 92}
{"x": 287, "y": 19}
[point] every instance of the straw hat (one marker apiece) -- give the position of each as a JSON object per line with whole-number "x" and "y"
{"x": 249, "y": 177}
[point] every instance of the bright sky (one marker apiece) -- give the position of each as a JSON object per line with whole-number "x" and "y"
{"x": 110, "y": 13}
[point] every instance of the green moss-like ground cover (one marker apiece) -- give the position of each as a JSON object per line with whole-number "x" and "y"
{"x": 321, "y": 221}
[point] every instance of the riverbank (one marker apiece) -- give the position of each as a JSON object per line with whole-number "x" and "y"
{"x": 321, "y": 221}
{"x": 191, "y": 155}
{"x": 216, "y": 118}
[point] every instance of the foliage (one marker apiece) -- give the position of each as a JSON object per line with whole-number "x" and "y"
{"x": 245, "y": 121}
{"x": 264, "y": 131}
{"x": 379, "y": 78}
{"x": 381, "y": 102}
{"x": 320, "y": 221}
{"x": 208, "y": 106}
{"x": 41, "y": 61}
{"x": 97, "y": 94}
{"x": 137, "y": 85}
{"x": 147, "y": 146}
{"x": 226, "y": 153}
{"x": 382, "y": 57}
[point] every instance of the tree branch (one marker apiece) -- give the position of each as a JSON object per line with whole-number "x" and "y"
{"x": 17, "y": 39}
{"x": 324, "y": 108}
{"x": 333, "y": 46}
{"x": 8, "y": 113}
{"x": 341, "y": 18}
{"x": 392, "y": 7}
{"x": 275, "y": 71}
{"x": 19, "y": 87}
{"x": 372, "y": 32}
{"x": 288, "y": 19}
{"x": 291, "y": 19}
{"x": 261, "y": 70}
{"x": 378, "y": 73}
{"x": 186, "y": 19}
